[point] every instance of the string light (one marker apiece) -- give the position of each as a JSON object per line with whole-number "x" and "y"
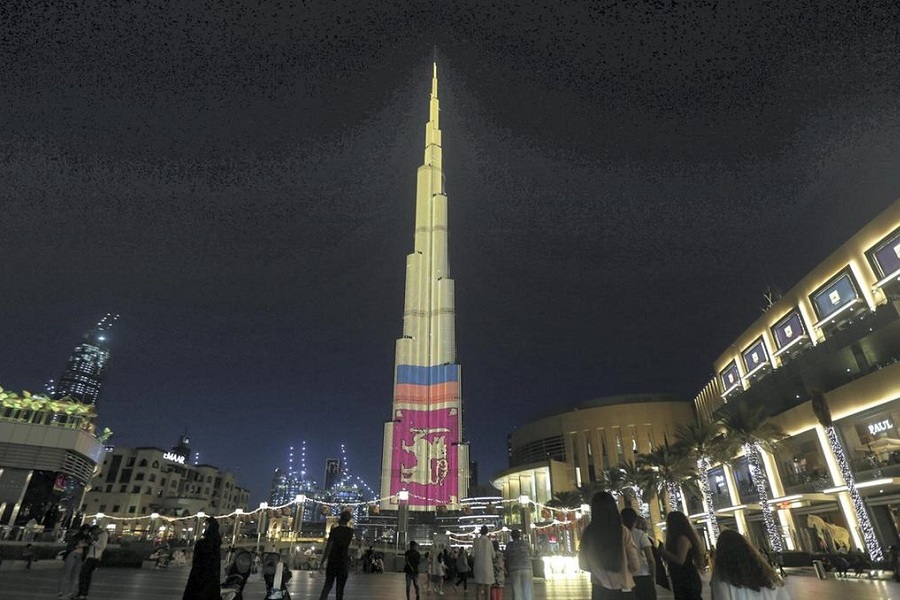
{"x": 703, "y": 468}
{"x": 865, "y": 524}
{"x": 756, "y": 473}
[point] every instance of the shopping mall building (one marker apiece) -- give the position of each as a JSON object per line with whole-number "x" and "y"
{"x": 573, "y": 447}
{"x": 837, "y": 332}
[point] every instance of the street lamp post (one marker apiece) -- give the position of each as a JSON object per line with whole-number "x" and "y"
{"x": 261, "y": 524}
{"x": 154, "y": 517}
{"x": 200, "y": 516}
{"x": 237, "y": 524}
{"x": 402, "y": 516}
{"x": 301, "y": 506}
{"x": 525, "y": 502}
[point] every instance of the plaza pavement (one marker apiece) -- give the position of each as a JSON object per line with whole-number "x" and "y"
{"x": 147, "y": 584}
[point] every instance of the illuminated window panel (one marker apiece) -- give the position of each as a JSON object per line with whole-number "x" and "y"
{"x": 837, "y": 299}
{"x": 885, "y": 260}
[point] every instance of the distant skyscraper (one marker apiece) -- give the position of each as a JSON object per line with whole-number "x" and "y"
{"x": 84, "y": 372}
{"x": 334, "y": 470}
{"x": 422, "y": 452}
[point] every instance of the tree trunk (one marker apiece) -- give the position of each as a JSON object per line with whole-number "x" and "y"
{"x": 673, "y": 495}
{"x": 703, "y": 467}
{"x": 865, "y": 524}
{"x": 757, "y": 472}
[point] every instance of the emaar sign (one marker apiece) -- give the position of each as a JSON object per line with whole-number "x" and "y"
{"x": 176, "y": 458}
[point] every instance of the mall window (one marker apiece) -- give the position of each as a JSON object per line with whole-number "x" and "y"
{"x": 885, "y": 261}
{"x": 116, "y": 508}
{"x": 838, "y": 300}
{"x": 803, "y": 468}
{"x": 872, "y": 441}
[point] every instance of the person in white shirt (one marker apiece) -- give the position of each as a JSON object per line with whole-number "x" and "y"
{"x": 645, "y": 576}
{"x": 608, "y": 552}
{"x": 741, "y": 573}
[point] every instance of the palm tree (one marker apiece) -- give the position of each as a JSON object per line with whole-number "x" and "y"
{"x": 823, "y": 414}
{"x": 667, "y": 467}
{"x": 569, "y": 500}
{"x": 704, "y": 443}
{"x": 750, "y": 429}
{"x": 636, "y": 481}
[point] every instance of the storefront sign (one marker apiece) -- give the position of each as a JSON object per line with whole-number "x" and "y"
{"x": 881, "y": 426}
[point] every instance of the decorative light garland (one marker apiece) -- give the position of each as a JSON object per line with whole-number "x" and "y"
{"x": 865, "y": 524}
{"x": 38, "y": 402}
{"x": 703, "y": 468}
{"x": 756, "y": 473}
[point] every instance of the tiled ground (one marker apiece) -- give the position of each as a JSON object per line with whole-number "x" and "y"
{"x": 129, "y": 584}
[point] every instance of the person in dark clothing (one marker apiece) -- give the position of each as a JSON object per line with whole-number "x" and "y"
{"x": 203, "y": 582}
{"x": 411, "y": 559}
{"x": 684, "y": 554}
{"x": 337, "y": 556}
{"x": 462, "y": 570}
{"x": 96, "y": 546}
{"x": 28, "y": 555}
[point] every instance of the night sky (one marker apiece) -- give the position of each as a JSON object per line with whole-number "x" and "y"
{"x": 237, "y": 179}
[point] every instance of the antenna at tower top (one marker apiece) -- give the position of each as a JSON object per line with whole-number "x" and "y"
{"x": 106, "y": 323}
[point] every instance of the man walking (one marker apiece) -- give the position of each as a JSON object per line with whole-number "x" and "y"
{"x": 92, "y": 556}
{"x": 518, "y": 563}
{"x": 337, "y": 555}
{"x": 411, "y": 567}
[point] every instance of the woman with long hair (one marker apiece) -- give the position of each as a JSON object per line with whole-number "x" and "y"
{"x": 741, "y": 572}
{"x": 684, "y": 554}
{"x": 608, "y": 551}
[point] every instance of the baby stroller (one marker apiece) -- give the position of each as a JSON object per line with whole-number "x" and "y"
{"x": 276, "y": 575}
{"x": 236, "y": 577}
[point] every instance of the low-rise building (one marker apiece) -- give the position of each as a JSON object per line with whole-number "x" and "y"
{"x": 48, "y": 453}
{"x": 134, "y": 483}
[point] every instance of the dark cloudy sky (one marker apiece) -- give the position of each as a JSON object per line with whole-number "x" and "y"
{"x": 237, "y": 180}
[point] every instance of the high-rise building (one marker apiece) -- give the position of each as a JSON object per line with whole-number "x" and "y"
{"x": 84, "y": 372}
{"x": 422, "y": 453}
{"x": 334, "y": 470}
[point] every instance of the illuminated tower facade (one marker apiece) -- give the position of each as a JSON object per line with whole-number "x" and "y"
{"x": 84, "y": 372}
{"x": 422, "y": 453}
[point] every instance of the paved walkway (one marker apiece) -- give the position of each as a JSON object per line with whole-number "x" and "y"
{"x": 136, "y": 584}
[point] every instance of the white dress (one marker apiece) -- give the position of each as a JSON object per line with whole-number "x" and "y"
{"x": 725, "y": 591}
{"x": 483, "y": 550}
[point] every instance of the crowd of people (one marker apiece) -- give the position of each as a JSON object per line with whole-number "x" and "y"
{"x": 624, "y": 562}
{"x": 618, "y": 549}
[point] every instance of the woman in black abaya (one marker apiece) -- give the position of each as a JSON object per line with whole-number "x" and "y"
{"x": 203, "y": 582}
